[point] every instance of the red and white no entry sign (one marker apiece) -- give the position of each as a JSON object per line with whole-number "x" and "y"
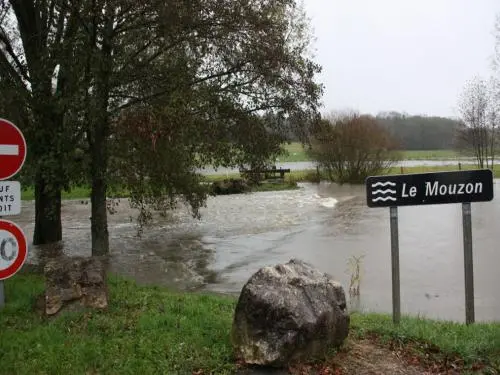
{"x": 13, "y": 249}
{"x": 12, "y": 149}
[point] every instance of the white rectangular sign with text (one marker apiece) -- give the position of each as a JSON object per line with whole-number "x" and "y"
{"x": 10, "y": 198}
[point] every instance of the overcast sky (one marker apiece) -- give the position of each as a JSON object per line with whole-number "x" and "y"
{"x": 405, "y": 55}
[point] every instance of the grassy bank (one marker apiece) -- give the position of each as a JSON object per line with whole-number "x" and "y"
{"x": 431, "y": 155}
{"x": 297, "y": 153}
{"x": 149, "y": 330}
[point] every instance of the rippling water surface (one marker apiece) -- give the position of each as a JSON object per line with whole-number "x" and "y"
{"x": 325, "y": 225}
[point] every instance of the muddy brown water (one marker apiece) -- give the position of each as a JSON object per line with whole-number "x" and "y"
{"x": 324, "y": 224}
{"x": 302, "y": 165}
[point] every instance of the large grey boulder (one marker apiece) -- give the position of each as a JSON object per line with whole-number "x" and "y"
{"x": 75, "y": 283}
{"x": 289, "y": 312}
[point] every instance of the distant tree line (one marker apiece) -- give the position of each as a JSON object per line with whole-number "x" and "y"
{"x": 418, "y": 132}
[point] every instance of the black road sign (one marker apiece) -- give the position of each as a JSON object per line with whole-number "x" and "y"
{"x": 429, "y": 188}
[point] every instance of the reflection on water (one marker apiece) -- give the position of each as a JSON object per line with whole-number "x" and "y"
{"x": 324, "y": 224}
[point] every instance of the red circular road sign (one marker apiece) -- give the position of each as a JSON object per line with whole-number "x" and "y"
{"x": 13, "y": 249}
{"x": 12, "y": 149}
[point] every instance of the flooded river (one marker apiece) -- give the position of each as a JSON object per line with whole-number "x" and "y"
{"x": 301, "y": 165}
{"x": 325, "y": 225}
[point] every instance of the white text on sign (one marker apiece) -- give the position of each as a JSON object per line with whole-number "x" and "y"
{"x": 435, "y": 189}
{"x": 10, "y": 198}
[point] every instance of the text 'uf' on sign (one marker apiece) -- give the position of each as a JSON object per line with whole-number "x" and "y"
{"x": 430, "y": 188}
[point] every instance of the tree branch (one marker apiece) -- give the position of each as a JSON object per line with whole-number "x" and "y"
{"x": 10, "y": 51}
{"x": 10, "y": 73}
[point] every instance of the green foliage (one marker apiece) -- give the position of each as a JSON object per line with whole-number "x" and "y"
{"x": 226, "y": 89}
{"x": 223, "y": 80}
{"x": 263, "y": 187}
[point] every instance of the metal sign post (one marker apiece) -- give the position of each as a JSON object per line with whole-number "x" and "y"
{"x": 424, "y": 189}
{"x": 2, "y": 295}
{"x": 2, "y": 290}
{"x": 396, "y": 294}
{"x": 468, "y": 263}
{"x": 13, "y": 247}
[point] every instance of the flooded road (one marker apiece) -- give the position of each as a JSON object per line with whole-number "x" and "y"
{"x": 325, "y": 225}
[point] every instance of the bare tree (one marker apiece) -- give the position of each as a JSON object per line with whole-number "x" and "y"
{"x": 477, "y": 133}
{"x": 351, "y": 147}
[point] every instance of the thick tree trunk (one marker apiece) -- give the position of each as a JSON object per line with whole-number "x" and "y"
{"x": 98, "y": 175}
{"x": 98, "y": 139}
{"x": 99, "y": 219}
{"x": 49, "y": 176}
{"x": 48, "y": 228}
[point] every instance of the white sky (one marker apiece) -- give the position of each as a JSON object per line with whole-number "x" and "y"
{"x": 410, "y": 56}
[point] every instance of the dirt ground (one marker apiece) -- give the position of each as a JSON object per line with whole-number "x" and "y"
{"x": 368, "y": 357}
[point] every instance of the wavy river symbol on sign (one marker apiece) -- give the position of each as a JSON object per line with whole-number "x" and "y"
{"x": 389, "y": 192}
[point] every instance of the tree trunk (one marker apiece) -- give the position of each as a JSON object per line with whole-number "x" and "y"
{"x": 49, "y": 177}
{"x": 98, "y": 138}
{"x": 48, "y": 228}
{"x": 99, "y": 219}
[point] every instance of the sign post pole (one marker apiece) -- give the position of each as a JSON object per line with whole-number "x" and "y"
{"x": 463, "y": 187}
{"x": 2, "y": 291}
{"x": 13, "y": 245}
{"x": 396, "y": 300}
{"x": 468, "y": 263}
{"x": 2, "y": 294}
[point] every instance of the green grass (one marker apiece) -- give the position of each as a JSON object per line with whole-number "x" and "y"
{"x": 147, "y": 330}
{"x": 83, "y": 192}
{"x": 431, "y": 155}
{"x": 295, "y": 153}
{"x": 442, "y": 168}
{"x": 475, "y": 343}
{"x": 270, "y": 186}
{"x": 151, "y": 330}
{"x": 311, "y": 175}
{"x": 76, "y": 192}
